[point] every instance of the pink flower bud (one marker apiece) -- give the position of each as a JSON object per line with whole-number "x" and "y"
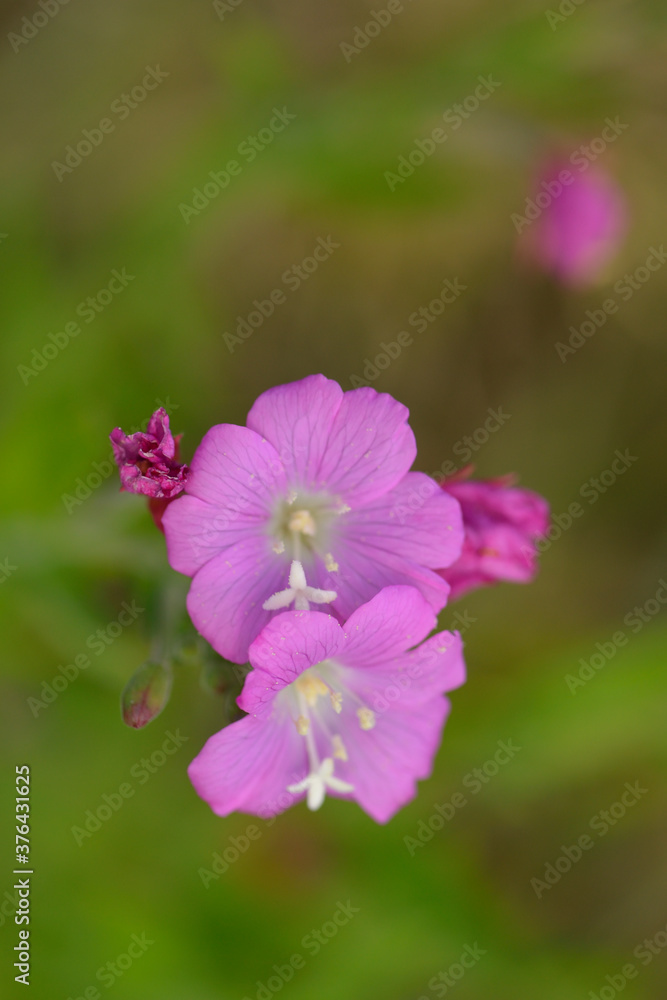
{"x": 148, "y": 461}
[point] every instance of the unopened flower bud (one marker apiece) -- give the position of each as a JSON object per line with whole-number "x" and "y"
{"x": 146, "y": 694}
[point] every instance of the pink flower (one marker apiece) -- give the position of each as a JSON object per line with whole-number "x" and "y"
{"x": 339, "y": 710}
{"x": 582, "y": 225}
{"x": 501, "y": 525}
{"x": 301, "y": 507}
{"x": 148, "y": 461}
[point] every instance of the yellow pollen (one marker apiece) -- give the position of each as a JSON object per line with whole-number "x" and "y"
{"x": 330, "y": 563}
{"x": 366, "y": 718}
{"x": 279, "y": 547}
{"x": 337, "y": 701}
{"x": 311, "y": 686}
{"x": 302, "y": 520}
{"x": 302, "y": 725}
{"x": 339, "y": 750}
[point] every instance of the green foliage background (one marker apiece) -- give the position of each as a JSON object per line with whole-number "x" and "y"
{"x": 161, "y": 339}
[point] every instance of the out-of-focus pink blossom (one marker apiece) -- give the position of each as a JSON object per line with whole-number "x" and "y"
{"x": 501, "y": 524}
{"x": 573, "y": 222}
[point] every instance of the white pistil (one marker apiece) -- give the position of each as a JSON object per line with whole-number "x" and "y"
{"x": 299, "y": 592}
{"x": 317, "y": 783}
{"x": 366, "y": 718}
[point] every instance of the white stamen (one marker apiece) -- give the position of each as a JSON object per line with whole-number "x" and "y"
{"x": 366, "y": 718}
{"x": 299, "y": 592}
{"x": 279, "y": 547}
{"x": 330, "y": 563}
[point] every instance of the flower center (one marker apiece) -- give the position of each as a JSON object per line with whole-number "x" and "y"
{"x": 301, "y": 527}
{"x": 314, "y": 702}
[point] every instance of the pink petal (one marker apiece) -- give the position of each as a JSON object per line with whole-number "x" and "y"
{"x": 392, "y": 622}
{"x": 434, "y": 667}
{"x": 364, "y": 571}
{"x": 234, "y": 478}
{"x": 227, "y": 593}
{"x": 356, "y": 445}
{"x": 370, "y": 447}
{"x": 287, "y": 646}
{"x": 296, "y": 418}
{"x": 234, "y": 468}
{"x": 385, "y": 763}
{"x": 411, "y": 521}
{"x": 248, "y": 766}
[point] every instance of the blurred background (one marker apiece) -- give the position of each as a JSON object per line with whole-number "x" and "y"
{"x": 195, "y": 256}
